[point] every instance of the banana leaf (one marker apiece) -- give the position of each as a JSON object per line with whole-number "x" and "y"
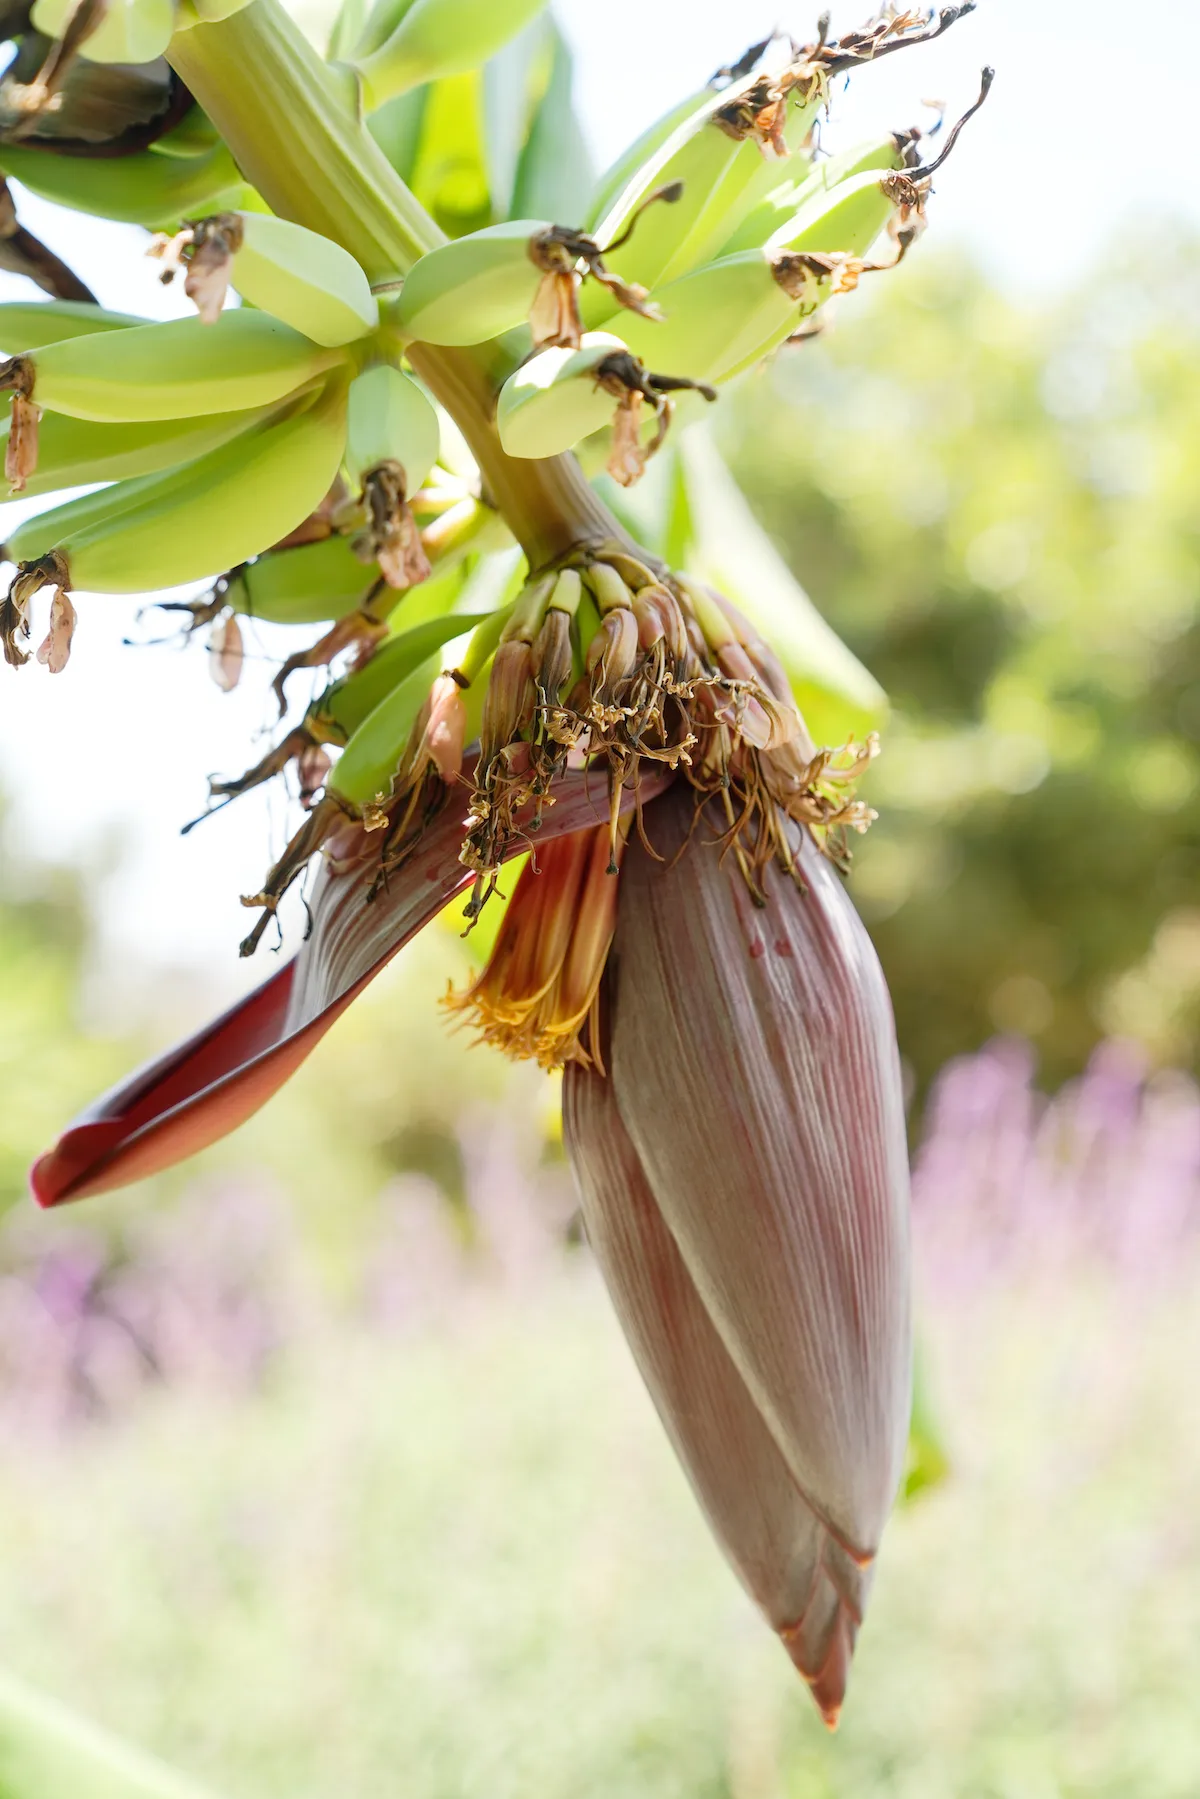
{"x": 555, "y": 171}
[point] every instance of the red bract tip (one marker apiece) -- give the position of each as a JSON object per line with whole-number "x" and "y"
{"x": 210, "y": 1084}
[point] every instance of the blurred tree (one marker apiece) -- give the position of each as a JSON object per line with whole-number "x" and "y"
{"x": 998, "y": 511}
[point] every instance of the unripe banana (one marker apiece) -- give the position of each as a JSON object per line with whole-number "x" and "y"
{"x": 391, "y": 420}
{"x": 725, "y": 316}
{"x": 296, "y": 275}
{"x": 304, "y": 586}
{"x": 191, "y": 522}
{"x": 180, "y": 369}
{"x": 845, "y": 220}
{"x": 341, "y": 713}
{"x": 150, "y": 187}
{"x": 525, "y": 270}
{"x": 554, "y": 399}
{"x": 435, "y": 38}
{"x": 368, "y": 764}
{"x": 30, "y": 324}
{"x": 619, "y": 174}
{"x": 77, "y": 452}
{"x": 893, "y": 151}
{"x": 718, "y": 153}
{"x": 131, "y": 31}
{"x": 474, "y": 288}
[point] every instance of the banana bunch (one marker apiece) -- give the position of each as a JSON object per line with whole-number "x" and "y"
{"x": 743, "y": 260}
{"x": 217, "y": 436}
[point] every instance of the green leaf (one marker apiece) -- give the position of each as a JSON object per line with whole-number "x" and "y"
{"x": 450, "y": 175}
{"x": 48, "y": 1752}
{"x": 396, "y": 128}
{"x": 555, "y": 172}
{"x": 716, "y": 536}
{"x": 513, "y": 82}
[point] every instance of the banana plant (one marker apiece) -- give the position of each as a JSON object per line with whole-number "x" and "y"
{"x": 424, "y": 430}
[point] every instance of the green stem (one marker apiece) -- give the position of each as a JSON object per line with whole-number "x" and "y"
{"x": 293, "y": 126}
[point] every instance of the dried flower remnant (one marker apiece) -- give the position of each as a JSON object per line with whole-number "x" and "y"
{"x": 27, "y": 583}
{"x": 54, "y": 651}
{"x": 21, "y": 447}
{"x": 312, "y": 770}
{"x": 630, "y": 384}
{"x": 567, "y": 258}
{"x": 204, "y": 250}
{"x": 391, "y": 536}
{"x": 226, "y": 652}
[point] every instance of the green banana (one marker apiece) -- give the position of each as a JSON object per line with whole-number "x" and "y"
{"x": 31, "y": 324}
{"x": 555, "y": 399}
{"x": 183, "y": 525}
{"x": 296, "y": 275}
{"x": 391, "y": 446}
{"x": 451, "y": 607}
{"x": 302, "y": 586}
{"x": 722, "y": 318}
{"x": 477, "y": 287}
{"x": 391, "y": 420}
{"x": 716, "y": 154}
{"x": 130, "y": 31}
{"x": 474, "y": 288}
{"x": 77, "y": 452}
{"x": 375, "y": 735}
{"x": 151, "y": 187}
{"x": 337, "y": 713}
{"x": 561, "y": 396}
{"x": 425, "y": 40}
{"x": 180, "y": 369}
{"x": 367, "y": 766}
{"x": 845, "y": 220}
{"x": 893, "y": 151}
{"x": 618, "y": 176}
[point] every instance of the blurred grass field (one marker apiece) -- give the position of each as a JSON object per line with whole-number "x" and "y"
{"x": 441, "y": 1549}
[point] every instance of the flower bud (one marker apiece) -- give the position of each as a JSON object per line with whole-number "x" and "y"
{"x": 753, "y": 1063}
{"x": 810, "y": 1590}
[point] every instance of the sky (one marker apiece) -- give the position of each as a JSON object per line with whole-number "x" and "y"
{"x": 1086, "y": 136}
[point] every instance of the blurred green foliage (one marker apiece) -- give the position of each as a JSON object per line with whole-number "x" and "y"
{"x": 1000, "y": 511}
{"x": 459, "y": 1562}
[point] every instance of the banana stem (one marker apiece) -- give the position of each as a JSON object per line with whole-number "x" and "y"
{"x": 292, "y": 123}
